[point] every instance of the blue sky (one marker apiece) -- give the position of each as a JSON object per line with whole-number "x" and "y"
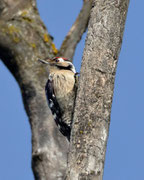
{"x": 124, "y": 156}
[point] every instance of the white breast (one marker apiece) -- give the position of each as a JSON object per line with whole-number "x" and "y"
{"x": 64, "y": 90}
{"x": 63, "y": 83}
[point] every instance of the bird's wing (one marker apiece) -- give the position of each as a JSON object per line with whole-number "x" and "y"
{"x": 55, "y": 109}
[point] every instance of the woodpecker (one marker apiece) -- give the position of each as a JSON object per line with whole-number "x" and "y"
{"x": 61, "y": 91}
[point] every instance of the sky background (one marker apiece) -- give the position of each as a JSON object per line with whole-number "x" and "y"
{"x": 125, "y": 150}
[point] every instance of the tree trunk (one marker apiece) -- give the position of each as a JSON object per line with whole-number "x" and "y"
{"x": 95, "y": 91}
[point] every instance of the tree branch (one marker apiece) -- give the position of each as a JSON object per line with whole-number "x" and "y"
{"x": 24, "y": 38}
{"x": 74, "y": 35}
{"x": 95, "y": 91}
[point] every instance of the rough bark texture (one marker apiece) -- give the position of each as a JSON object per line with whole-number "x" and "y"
{"x": 24, "y": 39}
{"x": 94, "y": 99}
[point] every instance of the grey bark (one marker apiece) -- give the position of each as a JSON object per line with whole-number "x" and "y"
{"x": 95, "y": 91}
{"x": 24, "y": 39}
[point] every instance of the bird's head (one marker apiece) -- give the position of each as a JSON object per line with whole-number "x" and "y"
{"x": 59, "y": 62}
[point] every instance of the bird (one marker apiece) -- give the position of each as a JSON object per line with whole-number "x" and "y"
{"x": 60, "y": 89}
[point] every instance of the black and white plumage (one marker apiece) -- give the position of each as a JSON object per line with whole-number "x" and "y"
{"x": 60, "y": 91}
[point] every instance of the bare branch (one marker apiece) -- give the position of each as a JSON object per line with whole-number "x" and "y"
{"x": 95, "y": 91}
{"x": 74, "y": 35}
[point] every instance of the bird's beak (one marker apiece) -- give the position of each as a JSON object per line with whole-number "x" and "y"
{"x": 43, "y": 61}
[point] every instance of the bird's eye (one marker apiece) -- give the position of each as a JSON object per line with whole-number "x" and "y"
{"x": 57, "y": 60}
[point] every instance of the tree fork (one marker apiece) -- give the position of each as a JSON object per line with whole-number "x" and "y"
{"x": 24, "y": 39}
